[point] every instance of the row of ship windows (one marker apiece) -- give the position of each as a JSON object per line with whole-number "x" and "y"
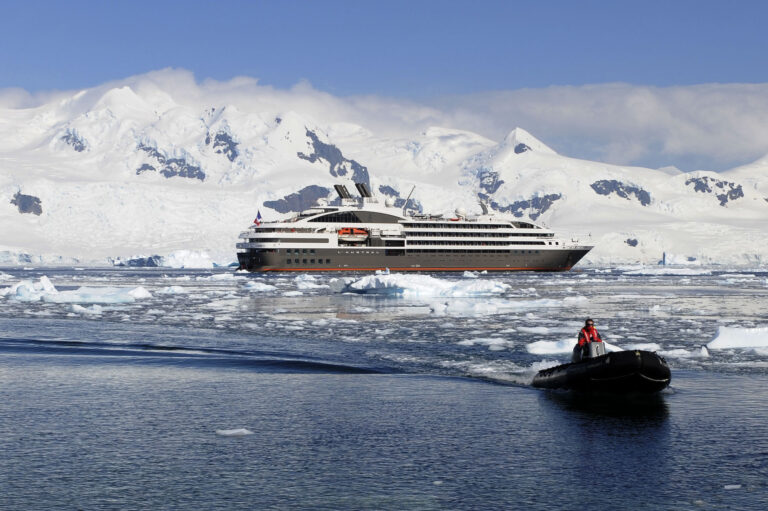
{"x": 477, "y": 234}
{"x": 519, "y": 225}
{"x": 434, "y": 252}
{"x": 486, "y": 243}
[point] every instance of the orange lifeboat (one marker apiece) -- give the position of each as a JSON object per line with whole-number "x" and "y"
{"x": 352, "y": 235}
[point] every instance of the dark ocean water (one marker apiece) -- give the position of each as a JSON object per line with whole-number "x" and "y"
{"x": 119, "y": 408}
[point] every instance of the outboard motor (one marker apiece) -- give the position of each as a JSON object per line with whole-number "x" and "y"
{"x": 590, "y": 350}
{"x": 596, "y": 349}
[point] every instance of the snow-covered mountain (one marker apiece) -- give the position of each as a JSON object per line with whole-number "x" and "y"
{"x": 141, "y": 167}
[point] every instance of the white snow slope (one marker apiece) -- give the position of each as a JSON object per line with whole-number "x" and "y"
{"x": 140, "y": 168}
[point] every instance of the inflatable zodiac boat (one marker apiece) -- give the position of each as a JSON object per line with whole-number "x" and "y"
{"x": 620, "y": 372}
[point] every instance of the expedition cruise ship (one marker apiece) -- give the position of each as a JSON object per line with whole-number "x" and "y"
{"x": 361, "y": 234}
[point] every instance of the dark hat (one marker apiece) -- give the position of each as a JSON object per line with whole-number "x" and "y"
{"x": 586, "y": 321}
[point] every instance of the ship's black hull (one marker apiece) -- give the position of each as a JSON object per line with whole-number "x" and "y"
{"x": 369, "y": 259}
{"x": 622, "y": 372}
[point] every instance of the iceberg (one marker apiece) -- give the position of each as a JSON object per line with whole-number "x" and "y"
{"x": 44, "y": 290}
{"x": 733, "y": 337}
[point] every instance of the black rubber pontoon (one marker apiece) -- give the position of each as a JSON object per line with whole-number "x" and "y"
{"x": 621, "y": 372}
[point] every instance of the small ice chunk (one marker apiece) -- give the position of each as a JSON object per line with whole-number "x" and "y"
{"x": 234, "y": 432}
{"x": 558, "y": 347}
{"x": 256, "y": 286}
{"x": 220, "y": 277}
{"x": 172, "y": 290}
{"x": 542, "y": 330}
{"x": 732, "y": 487}
{"x": 94, "y": 309}
{"x": 493, "y": 343}
{"x": 293, "y": 293}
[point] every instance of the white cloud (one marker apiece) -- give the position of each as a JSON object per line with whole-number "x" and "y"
{"x": 720, "y": 124}
{"x": 712, "y": 126}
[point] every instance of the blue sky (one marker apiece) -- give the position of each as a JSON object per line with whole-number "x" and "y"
{"x": 414, "y": 49}
{"x": 649, "y": 83}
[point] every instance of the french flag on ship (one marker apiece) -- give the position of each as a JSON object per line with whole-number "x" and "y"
{"x": 258, "y": 218}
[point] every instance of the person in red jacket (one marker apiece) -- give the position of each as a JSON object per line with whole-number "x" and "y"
{"x": 587, "y": 335}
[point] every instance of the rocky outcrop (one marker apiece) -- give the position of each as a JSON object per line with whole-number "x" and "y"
{"x": 223, "y": 143}
{"x": 521, "y": 148}
{"x": 338, "y": 166}
{"x": 73, "y": 138}
{"x": 299, "y": 201}
{"x": 613, "y": 187}
{"x": 27, "y": 204}
{"x": 489, "y": 180}
{"x": 533, "y": 207}
{"x": 724, "y": 190}
{"x": 168, "y": 167}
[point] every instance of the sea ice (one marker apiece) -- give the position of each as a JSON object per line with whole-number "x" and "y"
{"x": 308, "y": 282}
{"x": 172, "y": 290}
{"x": 256, "y": 286}
{"x": 665, "y": 270}
{"x": 221, "y": 277}
{"x": 493, "y": 343}
{"x": 734, "y": 337}
{"x": 533, "y": 329}
{"x": 559, "y": 347}
{"x": 423, "y": 285}
{"x": 94, "y": 309}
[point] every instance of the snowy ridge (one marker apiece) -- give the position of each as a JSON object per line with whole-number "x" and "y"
{"x": 157, "y": 164}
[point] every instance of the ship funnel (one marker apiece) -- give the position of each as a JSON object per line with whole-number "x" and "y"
{"x": 365, "y": 192}
{"x": 342, "y": 191}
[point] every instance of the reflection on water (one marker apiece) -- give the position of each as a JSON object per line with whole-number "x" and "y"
{"x": 637, "y": 408}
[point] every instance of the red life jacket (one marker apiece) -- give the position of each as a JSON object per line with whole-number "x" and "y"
{"x": 589, "y": 334}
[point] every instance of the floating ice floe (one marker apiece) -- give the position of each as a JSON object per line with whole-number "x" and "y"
{"x": 44, "y": 290}
{"x": 94, "y": 309}
{"x": 308, "y": 282}
{"x": 560, "y": 347}
{"x": 422, "y": 285}
{"x": 733, "y": 337}
{"x": 665, "y": 270}
{"x": 219, "y": 277}
{"x": 533, "y": 329}
{"x": 172, "y": 290}
{"x": 493, "y": 343}
{"x": 256, "y": 286}
{"x": 470, "y": 275}
{"x": 234, "y": 432}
